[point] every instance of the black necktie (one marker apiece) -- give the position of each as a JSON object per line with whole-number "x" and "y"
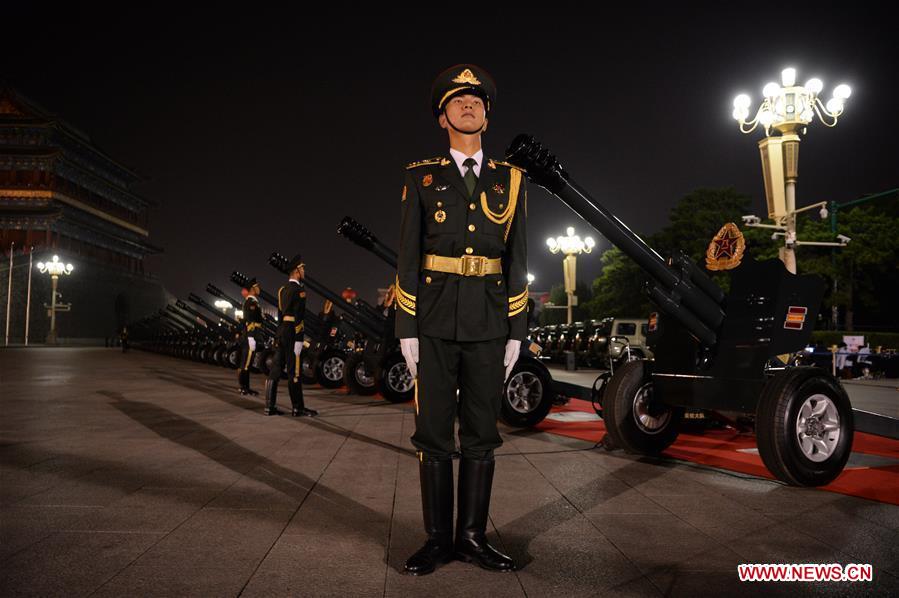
{"x": 471, "y": 179}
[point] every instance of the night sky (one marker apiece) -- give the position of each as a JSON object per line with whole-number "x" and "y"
{"x": 259, "y": 132}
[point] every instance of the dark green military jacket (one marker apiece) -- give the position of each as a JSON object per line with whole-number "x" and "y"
{"x": 252, "y": 317}
{"x": 292, "y": 303}
{"x": 440, "y": 218}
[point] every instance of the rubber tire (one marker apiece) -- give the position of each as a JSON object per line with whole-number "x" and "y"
{"x": 517, "y": 419}
{"x": 307, "y": 374}
{"x": 389, "y": 393}
{"x": 233, "y": 357}
{"x": 319, "y": 370}
{"x": 353, "y": 383}
{"x": 775, "y": 426}
{"x": 618, "y": 413}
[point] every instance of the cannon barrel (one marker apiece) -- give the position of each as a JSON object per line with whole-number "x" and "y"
{"x": 211, "y": 309}
{"x": 169, "y": 324}
{"x": 224, "y": 330}
{"x": 676, "y": 291}
{"x": 361, "y": 236}
{"x": 177, "y": 321}
{"x": 354, "y": 316}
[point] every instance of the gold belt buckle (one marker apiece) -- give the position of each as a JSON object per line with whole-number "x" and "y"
{"x": 473, "y": 265}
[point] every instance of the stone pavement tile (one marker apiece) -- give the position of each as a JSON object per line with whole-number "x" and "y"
{"x": 328, "y": 514}
{"x": 215, "y": 536}
{"x": 23, "y": 526}
{"x": 454, "y": 580}
{"x": 170, "y": 496}
{"x": 263, "y": 488}
{"x": 785, "y": 544}
{"x": 226, "y": 579}
{"x": 688, "y": 584}
{"x": 520, "y": 492}
{"x": 70, "y": 563}
{"x": 319, "y": 565}
{"x": 866, "y": 542}
{"x": 655, "y": 542}
{"x": 881, "y": 514}
{"x": 572, "y": 559}
{"x": 706, "y": 509}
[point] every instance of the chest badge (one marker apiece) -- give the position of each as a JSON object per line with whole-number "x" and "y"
{"x": 439, "y": 216}
{"x": 499, "y": 188}
{"x": 441, "y": 187}
{"x": 426, "y": 180}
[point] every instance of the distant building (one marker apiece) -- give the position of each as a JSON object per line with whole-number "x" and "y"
{"x": 60, "y": 194}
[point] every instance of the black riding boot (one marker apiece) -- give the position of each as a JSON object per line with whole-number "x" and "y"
{"x": 296, "y": 400}
{"x": 437, "y": 507}
{"x": 271, "y": 398}
{"x": 475, "y": 483}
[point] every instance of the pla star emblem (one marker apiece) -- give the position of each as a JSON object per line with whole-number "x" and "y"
{"x": 467, "y": 77}
{"x": 426, "y": 180}
{"x": 725, "y": 251}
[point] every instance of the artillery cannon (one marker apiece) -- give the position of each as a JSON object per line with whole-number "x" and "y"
{"x": 527, "y": 393}
{"x": 331, "y": 351}
{"x": 714, "y": 351}
{"x": 225, "y": 349}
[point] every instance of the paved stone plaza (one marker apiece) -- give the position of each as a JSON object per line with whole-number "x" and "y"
{"x": 145, "y": 475}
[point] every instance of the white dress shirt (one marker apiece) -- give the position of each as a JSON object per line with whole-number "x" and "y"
{"x": 459, "y": 158}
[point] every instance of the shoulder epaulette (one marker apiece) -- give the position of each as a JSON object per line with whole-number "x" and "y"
{"x": 499, "y": 163}
{"x": 438, "y": 160}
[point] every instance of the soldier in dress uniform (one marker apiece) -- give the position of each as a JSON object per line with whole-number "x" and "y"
{"x": 251, "y": 334}
{"x": 289, "y": 343}
{"x": 461, "y": 290}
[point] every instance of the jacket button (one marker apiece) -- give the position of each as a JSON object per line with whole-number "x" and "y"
{"x": 439, "y": 204}
{"x": 428, "y": 279}
{"x": 471, "y": 227}
{"x": 472, "y": 207}
{"x": 499, "y": 283}
{"x": 500, "y": 206}
{"x": 469, "y": 250}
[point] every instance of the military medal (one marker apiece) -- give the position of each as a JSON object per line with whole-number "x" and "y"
{"x": 427, "y": 180}
{"x": 499, "y": 188}
{"x": 439, "y": 216}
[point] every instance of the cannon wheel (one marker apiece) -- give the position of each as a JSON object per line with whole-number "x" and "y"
{"x": 634, "y": 421}
{"x": 330, "y": 369}
{"x": 307, "y": 368}
{"x": 359, "y": 377}
{"x": 527, "y": 395}
{"x": 395, "y": 383}
{"x": 233, "y": 356}
{"x": 804, "y": 427}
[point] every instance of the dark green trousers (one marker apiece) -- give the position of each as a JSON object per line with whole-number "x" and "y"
{"x": 476, "y": 370}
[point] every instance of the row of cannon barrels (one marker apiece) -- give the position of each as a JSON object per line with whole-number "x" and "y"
{"x": 591, "y": 342}
{"x": 355, "y": 348}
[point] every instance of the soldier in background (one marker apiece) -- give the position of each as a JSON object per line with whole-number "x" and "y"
{"x": 251, "y": 334}
{"x": 289, "y": 343}
{"x": 461, "y": 294}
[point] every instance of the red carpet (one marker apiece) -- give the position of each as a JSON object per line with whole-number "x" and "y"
{"x": 721, "y": 448}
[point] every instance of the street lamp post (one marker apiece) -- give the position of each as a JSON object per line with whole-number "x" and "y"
{"x": 55, "y": 269}
{"x": 571, "y": 245}
{"x": 786, "y": 110}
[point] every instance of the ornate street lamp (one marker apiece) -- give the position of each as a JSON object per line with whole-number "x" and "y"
{"x": 55, "y": 269}
{"x": 785, "y": 112}
{"x": 571, "y": 245}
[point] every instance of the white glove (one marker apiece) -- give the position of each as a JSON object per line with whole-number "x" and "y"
{"x": 298, "y": 348}
{"x": 252, "y": 342}
{"x": 409, "y": 348}
{"x": 513, "y": 348}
